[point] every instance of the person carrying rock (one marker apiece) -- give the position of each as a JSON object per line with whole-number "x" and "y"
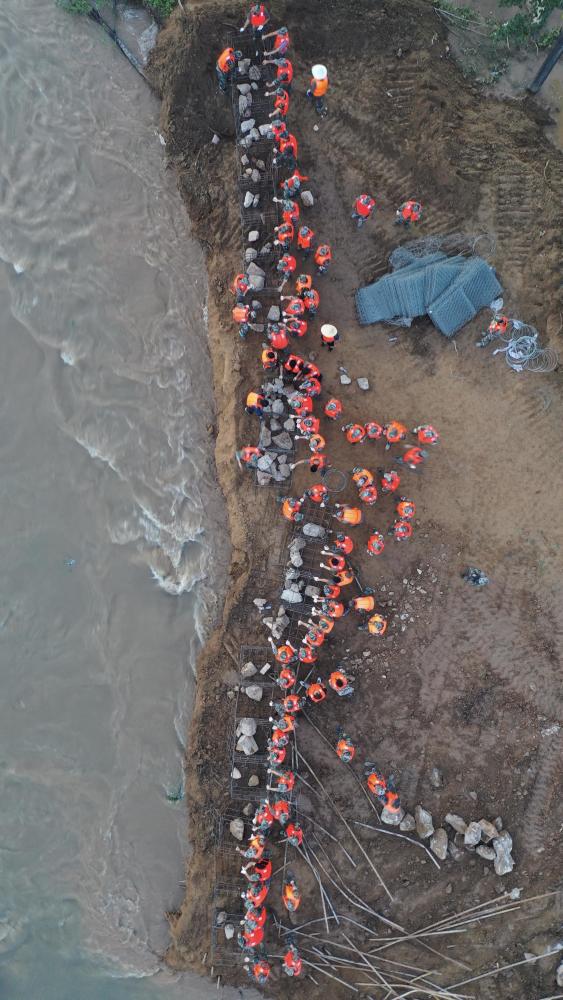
{"x": 255, "y": 403}
{"x": 318, "y": 88}
{"x": 363, "y": 208}
{"x": 284, "y": 72}
{"x": 392, "y": 802}
{"x": 242, "y": 315}
{"x": 345, "y": 748}
{"x": 225, "y": 67}
{"x": 375, "y": 782}
{"x": 257, "y": 19}
{"x": 323, "y": 257}
{"x": 240, "y": 286}
{"x": 311, "y": 301}
{"x": 258, "y": 971}
{"x": 281, "y": 41}
{"x": 281, "y": 102}
{"x": 292, "y": 963}
{"x": 249, "y": 456}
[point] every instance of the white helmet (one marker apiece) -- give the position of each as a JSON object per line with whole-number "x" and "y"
{"x": 319, "y": 71}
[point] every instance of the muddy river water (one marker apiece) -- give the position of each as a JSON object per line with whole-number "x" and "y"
{"x": 112, "y": 534}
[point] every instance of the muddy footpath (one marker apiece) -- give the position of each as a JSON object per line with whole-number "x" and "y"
{"x": 461, "y": 699}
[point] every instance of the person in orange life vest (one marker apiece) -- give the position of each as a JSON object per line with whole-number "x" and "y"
{"x": 322, "y": 258}
{"x": 311, "y": 299}
{"x": 335, "y": 561}
{"x": 317, "y": 494}
{"x": 363, "y": 603}
{"x": 324, "y": 623}
{"x": 281, "y": 102}
{"x": 376, "y": 783}
{"x": 294, "y": 308}
{"x": 279, "y": 739}
{"x": 389, "y": 481}
{"x": 291, "y": 509}
{"x": 333, "y": 409}
{"x": 363, "y": 207}
{"x": 373, "y": 431}
{"x": 348, "y": 515}
{"x": 290, "y": 210}
{"x": 394, "y": 433}
{"x": 406, "y": 509}
{"x": 240, "y": 286}
{"x": 303, "y": 283}
{"x": 257, "y": 18}
{"x": 250, "y": 938}
{"x": 318, "y": 88}
{"x": 355, "y": 433}
{"x": 291, "y": 895}
{"x": 376, "y": 625}
{"x": 414, "y": 457}
{"x": 284, "y": 71}
{"x": 426, "y": 434}
{"x": 317, "y": 691}
{"x": 310, "y": 370}
{"x": 285, "y": 653}
{"x": 286, "y": 265}
{"x": 279, "y": 130}
{"x": 343, "y": 543}
{"x": 409, "y": 211}
{"x": 292, "y": 703}
{"x": 291, "y": 185}
{"x": 286, "y": 679}
{"x": 375, "y": 544}
{"x": 280, "y": 810}
{"x": 285, "y": 725}
{"x": 294, "y": 366}
{"x": 294, "y": 834}
{"x": 285, "y": 782}
{"x": 368, "y": 495}
{"x": 258, "y": 871}
{"x": 314, "y": 637}
{"x": 277, "y": 335}
{"x": 255, "y": 894}
{"x": 297, "y": 328}
{"x": 497, "y": 328}
{"x": 286, "y": 155}
{"x": 258, "y": 972}
{"x": 241, "y": 315}
{"x": 285, "y": 234}
{"x": 308, "y": 425}
{"x": 225, "y": 67}
{"x": 255, "y": 403}
{"x": 305, "y": 237}
{"x": 401, "y": 530}
{"x": 345, "y": 748}
{"x": 263, "y": 817}
{"x": 329, "y": 336}
{"x": 317, "y": 443}
{"x": 340, "y": 683}
{"x": 333, "y": 608}
{"x": 317, "y": 462}
{"x": 311, "y": 387}
{"x": 392, "y": 801}
{"x": 269, "y": 358}
{"x": 362, "y": 477}
{"x": 255, "y": 848}
{"x": 281, "y": 41}
{"x": 302, "y": 405}
{"x": 292, "y": 964}
{"x": 255, "y": 917}
{"x": 307, "y": 655}
{"x": 276, "y": 753}
{"x": 344, "y": 578}
{"x": 249, "y": 456}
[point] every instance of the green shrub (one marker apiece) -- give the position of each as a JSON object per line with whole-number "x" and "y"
{"x": 162, "y": 8}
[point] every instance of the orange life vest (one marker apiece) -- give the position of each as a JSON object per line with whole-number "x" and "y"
{"x": 333, "y": 409}
{"x": 364, "y": 603}
{"x": 344, "y": 543}
{"x": 294, "y": 832}
{"x": 376, "y": 544}
{"x": 255, "y": 399}
{"x": 325, "y": 624}
{"x": 248, "y": 453}
{"x": 256, "y": 894}
{"x": 269, "y": 359}
{"x": 349, "y": 515}
{"x": 377, "y": 625}
{"x": 345, "y": 577}
{"x": 323, "y": 255}
{"x": 285, "y": 71}
{"x": 278, "y": 339}
{"x": 362, "y": 477}
{"x": 294, "y": 307}
{"x": 258, "y": 16}
{"x": 406, "y": 509}
{"x": 227, "y": 60}
{"x": 374, "y": 431}
{"x": 281, "y": 103}
{"x": 281, "y": 811}
{"x": 376, "y": 784}
{"x": 392, "y": 801}
{"x": 292, "y": 703}
{"x": 364, "y": 206}
{"x": 263, "y": 869}
{"x": 307, "y": 655}
{"x": 241, "y": 314}
{"x": 312, "y": 299}
{"x": 286, "y": 679}
{"x": 319, "y": 87}
{"x": 368, "y": 495}
{"x": 317, "y": 443}
{"x": 287, "y": 264}
{"x": 291, "y": 896}
{"x": 318, "y": 493}
{"x": 414, "y": 456}
{"x": 303, "y": 283}
{"x": 395, "y": 432}
{"x": 314, "y": 637}
{"x": 253, "y": 937}
{"x": 292, "y": 963}
{"x": 288, "y": 142}
{"x": 297, "y": 327}
{"x": 285, "y": 653}
{"x": 390, "y": 481}
{"x": 290, "y": 509}
{"x": 345, "y": 750}
{"x": 402, "y": 530}
{"x": 240, "y": 284}
{"x": 316, "y": 692}
{"x": 337, "y": 680}
{"x": 317, "y": 462}
{"x": 355, "y": 433}
{"x": 285, "y": 233}
{"x": 427, "y": 434}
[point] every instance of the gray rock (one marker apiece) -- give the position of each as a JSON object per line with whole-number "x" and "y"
{"x": 455, "y": 852}
{"x": 244, "y": 160}
{"x": 363, "y": 383}
{"x": 283, "y": 441}
{"x": 229, "y": 931}
{"x": 273, "y": 314}
{"x": 243, "y": 66}
{"x": 256, "y": 282}
{"x": 246, "y": 727}
{"x": 248, "y": 199}
{"x": 250, "y": 255}
{"x": 345, "y": 380}
{"x": 254, "y": 268}
{"x": 249, "y": 809}
{"x": 215, "y": 139}
{"x": 256, "y": 201}
{"x": 485, "y": 852}
{"x": 289, "y": 426}
{"x": 254, "y": 73}
{"x": 424, "y": 824}
{"x": 296, "y": 560}
{"x": 248, "y": 670}
{"x": 243, "y": 88}
{"x": 285, "y": 471}
{"x": 265, "y": 130}
{"x": 260, "y": 603}
{"x": 436, "y": 779}
{"x": 312, "y": 591}
{"x": 498, "y": 822}
{"x": 253, "y": 236}
{"x": 291, "y": 597}
{"x": 245, "y": 142}
{"x": 488, "y": 830}
{"x": 504, "y": 862}
{"x": 230, "y": 695}
{"x": 253, "y": 781}
{"x": 559, "y": 974}
{"x": 220, "y": 918}
{"x": 455, "y": 821}
{"x": 265, "y": 668}
{"x": 391, "y": 818}
{"x": 439, "y": 844}
{"x": 472, "y": 835}
{"x": 255, "y": 176}
{"x": 254, "y": 692}
{"x": 236, "y": 828}
{"x": 264, "y": 463}
{"x": 242, "y": 105}
{"x": 260, "y": 164}
{"x": 254, "y": 85}
{"x": 275, "y": 425}
{"x": 314, "y": 530}
{"x": 408, "y": 823}
{"x": 299, "y": 544}
{"x": 263, "y": 478}
{"x": 307, "y": 199}
{"x": 247, "y": 126}
{"x": 247, "y": 745}
{"x": 235, "y": 774}
{"x": 278, "y": 408}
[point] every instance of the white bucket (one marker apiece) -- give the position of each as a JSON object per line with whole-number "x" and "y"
{"x": 329, "y": 331}
{"x": 319, "y": 71}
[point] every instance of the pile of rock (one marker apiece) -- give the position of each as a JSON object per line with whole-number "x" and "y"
{"x": 488, "y": 840}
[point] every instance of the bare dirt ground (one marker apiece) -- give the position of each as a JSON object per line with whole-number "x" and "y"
{"x": 464, "y": 680}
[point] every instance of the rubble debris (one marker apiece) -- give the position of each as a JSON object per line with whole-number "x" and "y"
{"x": 439, "y": 844}
{"x": 472, "y": 835}
{"x": 424, "y": 823}
{"x": 254, "y": 692}
{"x": 248, "y": 670}
{"x": 407, "y": 823}
{"x": 236, "y": 828}
{"x": 458, "y": 824}
{"x": 504, "y": 862}
{"x": 246, "y": 727}
{"x": 436, "y": 778}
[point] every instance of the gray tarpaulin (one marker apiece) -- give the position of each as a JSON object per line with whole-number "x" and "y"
{"x": 451, "y": 290}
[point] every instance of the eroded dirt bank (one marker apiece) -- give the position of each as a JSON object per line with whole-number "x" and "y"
{"x": 465, "y": 681}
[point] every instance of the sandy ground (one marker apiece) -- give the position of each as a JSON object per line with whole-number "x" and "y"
{"x": 467, "y": 681}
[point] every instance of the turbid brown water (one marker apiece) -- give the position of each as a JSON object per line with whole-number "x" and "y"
{"x": 111, "y": 538}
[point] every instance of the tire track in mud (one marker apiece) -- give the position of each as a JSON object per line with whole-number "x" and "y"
{"x": 545, "y": 788}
